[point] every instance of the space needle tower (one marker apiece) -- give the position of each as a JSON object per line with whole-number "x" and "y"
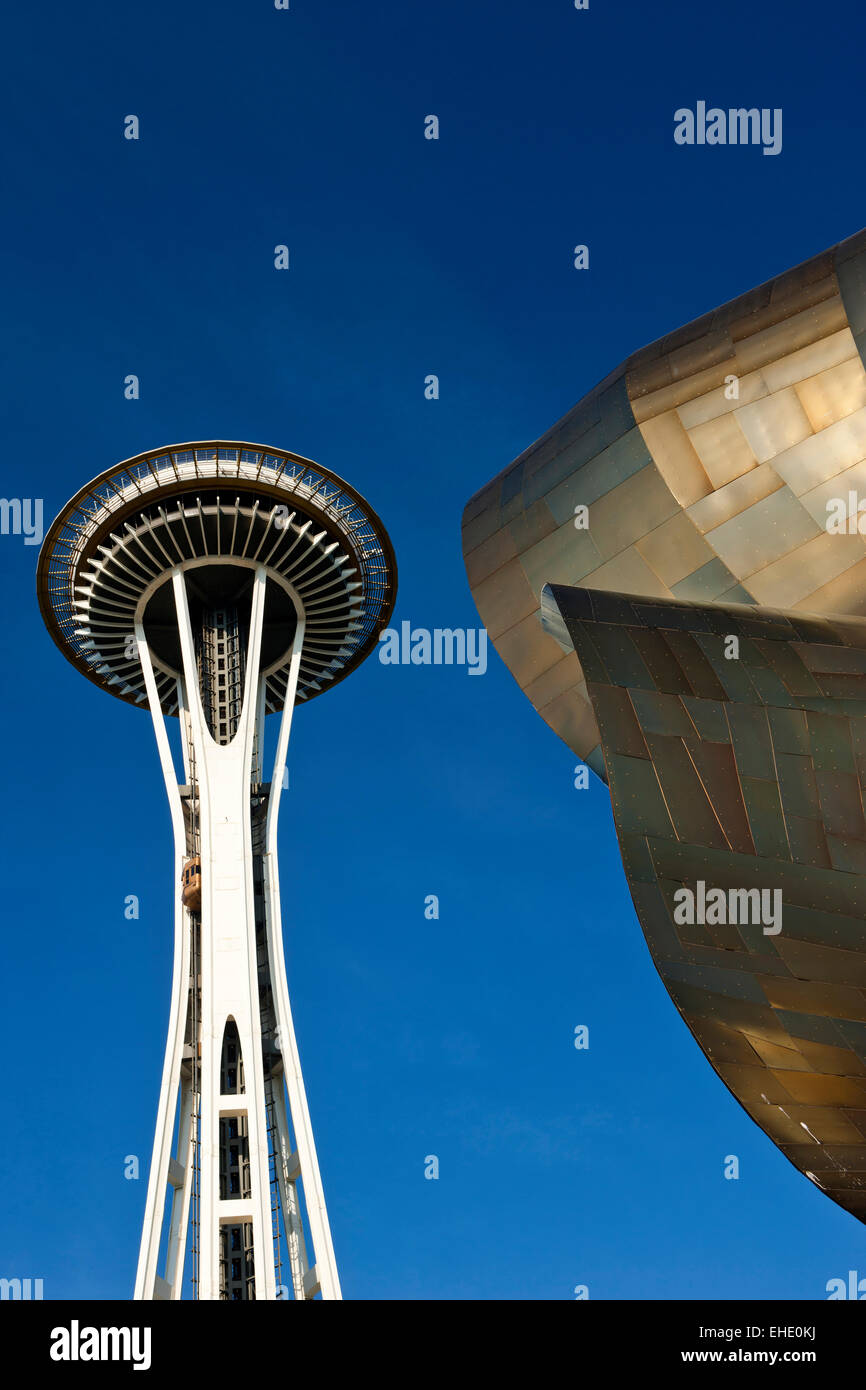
{"x": 218, "y": 583}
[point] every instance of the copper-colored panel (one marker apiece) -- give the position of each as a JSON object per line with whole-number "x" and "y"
{"x": 826, "y": 658}
{"x": 660, "y": 713}
{"x": 702, "y": 678}
{"x": 848, "y": 854}
{"x": 687, "y": 802}
{"x": 841, "y": 807}
{"x": 808, "y": 961}
{"x": 786, "y": 660}
{"x": 721, "y": 1043}
{"x": 781, "y": 1058}
{"x": 618, "y": 726}
{"x": 797, "y": 785}
{"x": 750, "y": 739}
{"x": 807, "y": 841}
{"x": 714, "y": 763}
{"x": 830, "y": 1125}
{"x": 788, "y": 727}
{"x": 835, "y": 1061}
{"x": 812, "y": 1089}
{"x": 639, "y": 803}
{"x": 718, "y": 969}
{"x": 810, "y": 996}
{"x": 662, "y": 662}
{"x": 753, "y": 1083}
{"x": 764, "y": 809}
{"x": 830, "y": 741}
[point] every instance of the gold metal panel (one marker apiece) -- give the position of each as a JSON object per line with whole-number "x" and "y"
{"x": 638, "y": 505}
{"x": 823, "y": 962}
{"x": 505, "y": 598}
{"x": 789, "y": 335}
{"x": 833, "y": 394}
{"x": 836, "y": 489}
{"x": 629, "y": 573}
{"x": 829, "y": 1126}
{"x": 839, "y": 1061}
{"x": 566, "y": 552}
{"x": 573, "y": 721}
{"x": 734, "y": 497}
{"x": 487, "y": 557}
{"x": 788, "y": 298}
{"x": 774, "y": 424}
{"x": 707, "y": 351}
{"x": 809, "y": 361}
{"x": 482, "y": 516}
{"x": 650, "y": 375}
{"x": 807, "y": 996}
{"x": 565, "y": 675}
{"x": 780, "y": 1058}
{"x": 675, "y": 458}
{"x": 720, "y": 402}
{"x": 846, "y": 594}
{"x": 669, "y": 397}
{"x": 798, "y": 574}
{"x": 769, "y": 529}
{"x": 810, "y": 1088}
{"x": 723, "y": 449}
{"x": 825, "y": 455}
{"x": 524, "y": 655}
{"x": 675, "y": 549}
{"x": 532, "y": 525}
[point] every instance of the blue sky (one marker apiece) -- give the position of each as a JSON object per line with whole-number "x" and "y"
{"x": 453, "y": 1037}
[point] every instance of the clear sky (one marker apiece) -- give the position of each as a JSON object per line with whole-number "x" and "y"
{"x": 408, "y": 256}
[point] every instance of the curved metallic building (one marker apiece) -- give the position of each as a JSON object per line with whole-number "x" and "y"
{"x": 694, "y": 492}
{"x": 681, "y": 503}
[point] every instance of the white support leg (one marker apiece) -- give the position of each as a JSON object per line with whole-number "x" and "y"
{"x": 147, "y": 1282}
{"x": 181, "y": 1178}
{"x": 325, "y": 1274}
